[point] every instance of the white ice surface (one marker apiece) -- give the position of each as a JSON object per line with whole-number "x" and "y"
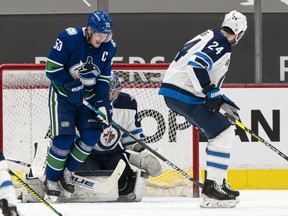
{"x": 252, "y": 203}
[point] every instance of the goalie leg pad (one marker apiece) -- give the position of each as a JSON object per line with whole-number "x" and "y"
{"x": 39, "y": 162}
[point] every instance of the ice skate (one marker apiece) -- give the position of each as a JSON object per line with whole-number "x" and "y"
{"x": 67, "y": 183}
{"x": 215, "y": 197}
{"x": 226, "y": 187}
{"x": 52, "y": 191}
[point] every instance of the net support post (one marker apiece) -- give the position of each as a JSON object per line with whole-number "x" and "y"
{"x": 196, "y": 171}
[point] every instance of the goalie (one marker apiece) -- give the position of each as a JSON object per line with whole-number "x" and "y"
{"x": 114, "y": 169}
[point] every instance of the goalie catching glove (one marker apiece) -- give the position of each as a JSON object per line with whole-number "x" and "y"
{"x": 146, "y": 161}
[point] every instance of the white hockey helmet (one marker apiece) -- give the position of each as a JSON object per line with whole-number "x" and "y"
{"x": 236, "y": 21}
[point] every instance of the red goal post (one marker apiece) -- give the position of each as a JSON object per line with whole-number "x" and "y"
{"x": 25, "y": 120}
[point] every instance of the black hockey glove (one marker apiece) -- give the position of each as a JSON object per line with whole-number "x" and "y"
{"x": 75, "y": 91}
{"x": 8, "y": 210}
{"x": 213, "y": 99}
{"x": 231, "y": 108}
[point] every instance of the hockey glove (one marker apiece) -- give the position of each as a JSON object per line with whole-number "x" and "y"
{"x": 213, "y": 99}
{"x": 8, "y": 210}
{"x": 75, "y": 91}
{"x": 231, "y": 108}
{"x": 146, "y": 161}
{"x": 105, "y": 109}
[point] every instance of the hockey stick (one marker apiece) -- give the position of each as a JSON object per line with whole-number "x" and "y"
{"x": 35, "y": 194}
{"x": 199, "y": 184}
{"x": 19, "y": 162}
{"x": 242, "y": 126}
{"x": 99, "y": 187}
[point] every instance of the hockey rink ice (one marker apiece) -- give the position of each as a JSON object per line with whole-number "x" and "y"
{"x": 252, "y": 203}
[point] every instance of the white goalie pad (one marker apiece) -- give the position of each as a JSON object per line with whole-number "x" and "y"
{"x": 38, "y": 165}
{"x": 100, "y": 188}
{"x": 85, "y": 190}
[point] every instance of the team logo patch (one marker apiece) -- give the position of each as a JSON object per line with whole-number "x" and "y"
{"x": 65, "y": 124}
{"x": 109, "y": 137}
{"x": 88, "y": 72}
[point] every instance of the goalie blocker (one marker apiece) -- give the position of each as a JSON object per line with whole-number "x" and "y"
{"x": 99, "y": 187}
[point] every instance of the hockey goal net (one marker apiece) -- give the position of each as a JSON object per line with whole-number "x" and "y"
{"x": 25, "y": 120}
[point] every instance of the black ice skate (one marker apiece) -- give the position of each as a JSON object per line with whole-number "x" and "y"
{"x": 52, "y": 191}
{"x": 67, "y": 183}
{"x": 226, "y": 187}
{"x": 8, "y": 210}
{"x": 215, "y": 197}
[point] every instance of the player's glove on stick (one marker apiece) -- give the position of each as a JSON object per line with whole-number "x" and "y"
{"x": 105, "y": 108}
{"x": 213, "y": 99}
{"x": 231, "y": 108}
{"x": 75, "y": 91}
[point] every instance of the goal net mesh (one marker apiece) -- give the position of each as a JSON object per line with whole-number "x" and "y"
{"x": 25, "y": 120}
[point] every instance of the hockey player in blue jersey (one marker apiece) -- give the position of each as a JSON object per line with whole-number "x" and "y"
{"x": 191, "y": 87}
{"x": 114, "y": 145}
{"x": 8, "y": 199}
{"x": 78, "y": 66}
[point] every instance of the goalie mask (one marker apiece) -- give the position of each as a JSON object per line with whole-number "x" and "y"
{"x": 115, "y": 87}
{"x": 237, "y": 22}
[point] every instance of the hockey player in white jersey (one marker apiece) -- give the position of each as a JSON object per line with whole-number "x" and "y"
{"x": 191, "y": 87}
{"x": 8, "y": 199}
{"x": 114, "y": 147}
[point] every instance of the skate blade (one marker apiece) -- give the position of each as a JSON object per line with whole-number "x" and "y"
{"x": 237, "y": 200}
{"x": 213, "y": 203}
{"x": 51, "y": 199}
{"x": 67, "y": 194}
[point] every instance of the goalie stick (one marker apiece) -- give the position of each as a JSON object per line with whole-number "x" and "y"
{"x": 35, "y": 194}
{"x": 22, "y": 163}
{"x": 101, "y": 187}
{"x": 242, "y": 126}
{"x": 186, "y": 175}
{"x": 98, "y": 187}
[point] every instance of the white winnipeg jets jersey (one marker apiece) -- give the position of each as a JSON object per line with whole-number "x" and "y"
{"x": 125, "y": 114}
{"x": 204, "y": 60}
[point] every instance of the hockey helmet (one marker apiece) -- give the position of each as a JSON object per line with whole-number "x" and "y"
{"x": 236, "y": 21}
{"x": 100, "y": 22}
{"x": 115, "y": 87}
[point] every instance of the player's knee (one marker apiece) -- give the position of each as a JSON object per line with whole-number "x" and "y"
{"x": 63, "y": 142}
{"x": 224, "y": 139}
{"x": 91, "y": 136}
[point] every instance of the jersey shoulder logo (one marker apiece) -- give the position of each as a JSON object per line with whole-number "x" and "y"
{"x": 71, "y": 31}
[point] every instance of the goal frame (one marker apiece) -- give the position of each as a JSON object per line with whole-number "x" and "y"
{"x": 116, "y": 66}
